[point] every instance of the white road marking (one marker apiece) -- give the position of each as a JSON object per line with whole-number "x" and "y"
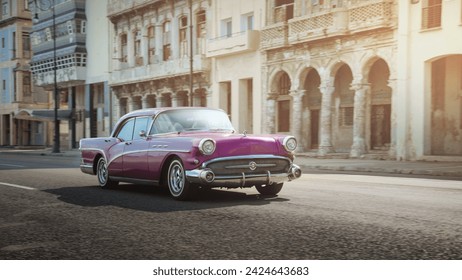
{"x": 17, "y": 186}
{"x": 12, "y": 165}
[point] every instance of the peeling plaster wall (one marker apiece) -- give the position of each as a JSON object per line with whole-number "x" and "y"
{"x": 446, "y": 137}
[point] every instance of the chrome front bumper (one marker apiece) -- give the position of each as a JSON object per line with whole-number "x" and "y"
{"x": 206, "y": 177}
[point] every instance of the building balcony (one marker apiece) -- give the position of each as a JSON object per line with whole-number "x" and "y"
{"x": 68, "y": 76}
{"x": 358, "y": 16}
{"x": 117, "y": 7}
{"x": 63, "y": 41}
{"x": 161, "y": 70}
{"x": 274, "y": 36}
{"x": 245, "y": 41}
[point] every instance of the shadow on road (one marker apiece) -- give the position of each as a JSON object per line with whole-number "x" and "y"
{"x": 157, "y": 199}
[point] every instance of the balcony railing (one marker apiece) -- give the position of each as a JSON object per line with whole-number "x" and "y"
{"x": 237, "y": 43}
{"x": 115, "y": 7}
{"x": 72, "y": 74}
{"x": 163, "y": 69}
{"x": 358, "y": 16}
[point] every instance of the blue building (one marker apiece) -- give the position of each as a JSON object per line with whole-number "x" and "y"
{"x": 18, "y": 96}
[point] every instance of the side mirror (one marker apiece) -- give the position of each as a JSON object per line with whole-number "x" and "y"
{"x": 142, "y": 134}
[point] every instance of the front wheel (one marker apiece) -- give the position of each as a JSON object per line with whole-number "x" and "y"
{"x": 102, "y": 174}
{"x": 178, "y": 185}
{"x": 270, "y": 189}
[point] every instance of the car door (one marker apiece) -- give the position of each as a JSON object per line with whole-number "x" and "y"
{"x": 135, "y": 156}
{"x": 115, "y": 153}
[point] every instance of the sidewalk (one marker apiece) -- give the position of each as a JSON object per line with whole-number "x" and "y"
{"x": 308, "y": 163}
{"x": 431, "y": 168}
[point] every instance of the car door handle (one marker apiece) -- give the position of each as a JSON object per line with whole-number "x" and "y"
{"x": 128, "y": 143}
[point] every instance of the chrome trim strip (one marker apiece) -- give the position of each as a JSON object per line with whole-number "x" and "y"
{"x": 242, "y": 180}
{"x": 147, "y": 151}
{"x": 247, "y": 166}
{"x": 135, "y": 181}
{"x": 205, "y": 164}
{"x": 87, "y": 169}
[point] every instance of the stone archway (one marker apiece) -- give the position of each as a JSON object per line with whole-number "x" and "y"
{"x": 344, "y": 109}
{"x": 380, "y": 110}
{"x": 312, "y": 100}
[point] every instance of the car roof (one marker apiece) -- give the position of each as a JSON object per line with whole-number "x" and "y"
{"x": 155, "y": 111}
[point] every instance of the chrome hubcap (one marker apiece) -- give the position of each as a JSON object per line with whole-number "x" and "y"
{"x": 176, "y": 178}
{"x": 102, "y": 172}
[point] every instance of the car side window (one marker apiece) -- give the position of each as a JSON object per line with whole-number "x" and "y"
{"x": 126, "y": 132}
{"x": 140, "y": 124}
{"x": 162, "y": 124}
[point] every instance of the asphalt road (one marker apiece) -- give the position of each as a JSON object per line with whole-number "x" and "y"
{"x": 50, "y": 210}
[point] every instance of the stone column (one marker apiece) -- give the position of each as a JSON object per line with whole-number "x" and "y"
{"x": 392, "y": 83}
{"x": 159, "y": 33}
{"x": 174, "y": 99}
{"x": 296, "y": 123}
{"x": 159, "y": 100}
{"x": 144, "y": 101}
{"x": 271, "y": 112}
{"x": 359, "y": 116}
{"x": 325, "y": 145}
{"x": 132, "y": 105}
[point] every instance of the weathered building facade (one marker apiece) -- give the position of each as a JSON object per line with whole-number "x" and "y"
{"x": 234, "y": 49}
{"x": 155, "y": 46}
{"x": 60, "y": 58}
{"x": 18, "y": 96}
{"x": 429, "y": 67}
{"x": 329, "y": 73}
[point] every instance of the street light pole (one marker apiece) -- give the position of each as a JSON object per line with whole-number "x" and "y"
{"x": 191, "y": 59}
{"x": 56, "y": 139}
{"x": 56, "y": 142}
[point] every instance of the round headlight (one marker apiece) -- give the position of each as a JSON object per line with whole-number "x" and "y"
{"x": 207, "y": 146}
{"x": 290, "y": 143}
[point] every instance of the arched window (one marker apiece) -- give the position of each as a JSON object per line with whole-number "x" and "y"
{"x": 283, "y": 103}
{"x": 166, "y": 41}
{"x": 151, "y": 44}
{"x": 183, "y": 27}
{"x": 123, "y": 48}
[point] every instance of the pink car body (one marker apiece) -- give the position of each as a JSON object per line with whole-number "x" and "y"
{"x": 185, "y": 148}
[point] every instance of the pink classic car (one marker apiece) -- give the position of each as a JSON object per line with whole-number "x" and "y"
{"x": 187, "y": 148}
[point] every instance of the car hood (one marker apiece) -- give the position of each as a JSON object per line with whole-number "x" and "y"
{"x": 231, "y": 144}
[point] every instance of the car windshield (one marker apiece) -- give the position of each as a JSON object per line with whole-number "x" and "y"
{"x": 191, "y": 120}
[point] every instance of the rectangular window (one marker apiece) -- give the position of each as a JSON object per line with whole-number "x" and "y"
{"x": 346, "y": 116}
{"x": 247, "y": 22}
{"x": 283, "y": 116}
{"x": 431, "y": 14}
{"x": 83, "y": 27}
{"x": 284, "y": 10}
{"x": 138, "y": 56}
{"x": 123, "y": 46}
{"x": 14, "y": 44}
{"x": 167, "y": 52}
{"x": 26, "y": 48}
{"x": 70, "y": 27}
{"x": 5, "y": 8}
{"x": 26, "y": 81}
{"x": 226, "y": 28}
{"x": 167, "y": 40}
{"x": 151, "y": 44}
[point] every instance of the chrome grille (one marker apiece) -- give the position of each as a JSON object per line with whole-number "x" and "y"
{"x": 249, "y": 165}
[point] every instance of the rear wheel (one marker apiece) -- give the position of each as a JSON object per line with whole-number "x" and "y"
{"x": 178, "y": 185}
{"x": 103, "y": 175}
{"x": 270, "y": 189}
